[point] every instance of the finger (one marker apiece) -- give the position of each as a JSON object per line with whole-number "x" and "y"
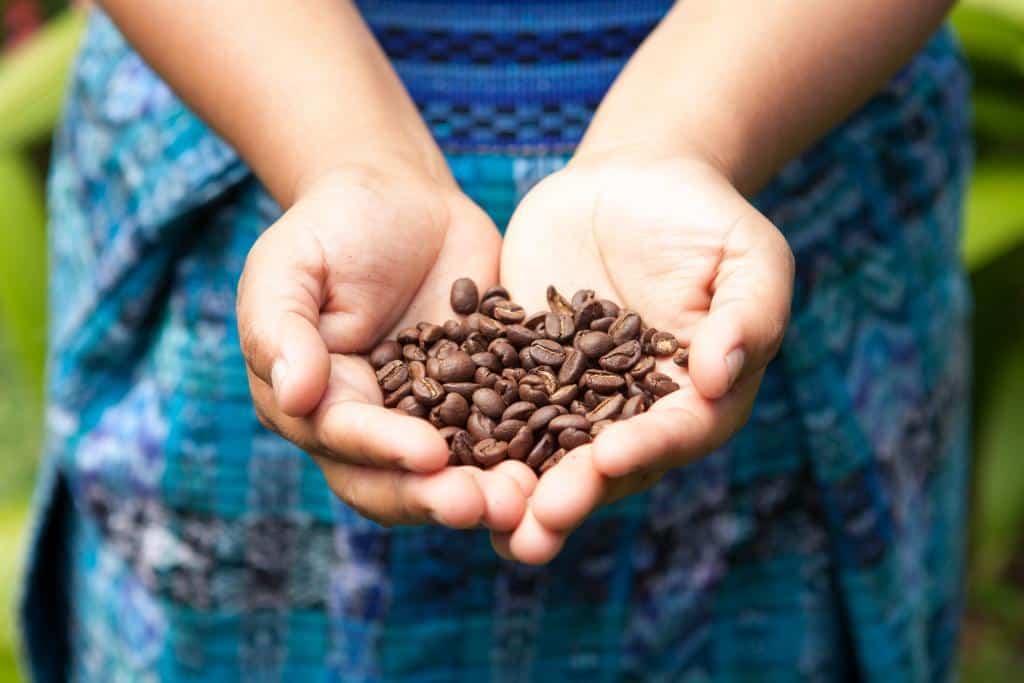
{"x": 504, "y": 500}
{"x": 520, "y": 473}
{"x": 749, "y": 308}
{"x": 569, "y": 491}
{"x": 533, "y": 543}
{"x": 451, "y": 497}
{"x": 278, "y": 305}
{"x": 678, "y": 429}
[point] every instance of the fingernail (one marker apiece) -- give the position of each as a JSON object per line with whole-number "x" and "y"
{"x": 734, "y": 364}
{"x": 277, "y": 375}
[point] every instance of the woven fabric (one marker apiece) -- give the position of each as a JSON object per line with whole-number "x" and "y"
{"x": 176, "y": 539}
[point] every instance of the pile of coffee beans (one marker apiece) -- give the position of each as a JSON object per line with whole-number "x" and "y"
{"x": 500, "y": 384}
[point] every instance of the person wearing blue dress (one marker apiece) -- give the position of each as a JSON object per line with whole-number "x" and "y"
{"x": 246, "y": 197}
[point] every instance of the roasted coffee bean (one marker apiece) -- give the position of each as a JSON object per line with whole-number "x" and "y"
{"x": 645, "y": 340}
{"x": 384, "y": 353}
{"x": 448, "y": 433}
{"x": 543, "y": 415}
{"x": 479, "y": 426}
{"x": 682, "y": 357}
{"x": 491, "y": 328}
{"x": 484, "y": 377}
{"x": 514, "y": 374}
{"x": 573, "y": 367}
{"x": 473, "y": 343}
{"x": 490, "y": 452}
{"x": 520, "y": 335}
{"x": 557, "y": 302}
{"x": 635, "y": 387}
{"x": 434, "y": 417}
{"x": 602, "y": 324}
{"x": 622, "y": 357}
{"x": 489, "y": 402}
{"x": 535, "y": 320}
{"x": 507, "y": 429}
{"x": 599, "y": 427}
{"x": 454, "y": 410}
{"x": 532, "y": 392}
{"x": 642, "y": 367}
{"x": 591, "y": 399}
{"x": 659, "y": 384}
{"x": 473, "y": 322}
{"x": 520, "y": 445}
{"x": 455, "y": 367}
{"x": 520, "y": 410}
{"x": 455, "y": 330}
{"x": 409, "y": 335}
{"x": 564, "y": 395}
{"x": 609, "y": 308}
{"x": 572, "y": 438}
{"x": 464, "y": 296}
{"x": 463, "y": 389}
{"x": 411, "y": 406}
{"x": 581, "y": 297}
{"x": 633, "y": 406}
{"x": 627, "y": 326}
{"x": 588, "y": 313}
{"x": 547, "y": 352}
{"x": 505, "y": 353}
{"x": 607, "y": 409}
{"x": 507, "y": 389}
{"x": 568, "y": 421}
{"x": 392, "y": 399}
{"x": 486, "y": 359}
{"x": 664, "y": 344}
{"x": 462, "y": 447}
{"x": 495, "y": 292}
{"x": 578, "y": 408}
{"x": 442, "y": 349}
{"x": 414, "y": 352}
{"x": 602, "y": 381}
{"x": 429, "y": 333}
{"x": 559, "y": 326}
{"x": 428, "y": 391}
{"x": 526, "y": 359}
{"x": 555, "y": 458}
{"x": 487, "y": 305}
{"x": 593, "y": 344}
{"x": 392, "y": 375}
{"x": 509, "y": 313}
{"x": 541, "y": 451}
{"x": 549, "y": 378}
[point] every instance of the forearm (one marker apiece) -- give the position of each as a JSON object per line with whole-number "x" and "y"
{"x": 298, "y": 88}
{"x": 747, "y": 86}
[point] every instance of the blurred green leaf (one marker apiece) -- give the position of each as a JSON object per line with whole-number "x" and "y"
{"x": 23, "y": 264}
{"x": 995, "y": 211}
{"x": 32, "y": 81}
{"x": 989, "y": 36}
{"x": 999, "y": 118}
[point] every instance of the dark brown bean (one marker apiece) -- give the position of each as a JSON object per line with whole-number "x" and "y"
{"x": 548, "y": 377}
{"x": 414, "y": 352}
{"x": 507, "y": 389}
{"x": 495, "y": 292}
{"x": 520, "y": 335}
{"x": 557, "y": 302}
{"x": 602, "y": 381}
{"x": 454, "y": 410}
{"x": 627, "y": 326}
{"x": 486, "y": 359}
{"x": 384, "y": 353}
{"x": 505, "y": 353}
{"x": 411, "y": 406}
{"x": 602, "y": 324}
{"x": 533, "y": 393}
{"x": 642, "y": 367}
{"x": 442, "y": 349}
{"x": 573, "y": 367}
{"x": 462, "y": 447}
{"x": 577, "y": 408}
{"x": 428, "y": 391}
{"x": 542, "y": 416}
{"x": 409, "y": 335}
{"x": 509, "y": 312}
{"x": 535, "y": 320}
{"x": 555, "y": 458}
{"x": 464, "y": 296}
{"x": 664, "y": 344}
{"x": 559, "y": 326}
{"x": 607, "y": 409}
{"x": 463, "y": 389}
{"x": 434, "y": 417}
{"x": 507, "y": 429}
{"x": 572, "y": 438}
{"x": 547, "y": 352}
{"x": 635, "y": 388}
{"x": 473, "y": 322}
{"x": 485, "y": 377}
{"x": 489, "y": 402}
{"x": 487, "y": 305}
{"x": 568, "y": 421}
{"x": 609, "y": 308}
{"x": 392, "y": 375}
{"x": 455, "y": 330}
{"x": 564, "y": 395}
{"x": 392, "y": 399}
{"x": 581, "y": 297}
{"x": 588, "y": 313}
{"x": 593, "y": 344}
{"x": 514, "y": 374}
{"x": 490, "y": 452}
{"x": 521, "y": 444}
{"x": 474, "y": 343}
{"x": 645, "y": 340}
{"x": 633, "y": 406}
{"x": 541, "y": 450}
{"x": 455, "y": 367}
{"x": 417, "y": 370}
{"x": 622, "y": 357}
{"x": 659, "y": 384}
{"x": 479, "y": 426}
{"x": 491, "y": 328}
{"x": 520, "y": 410}
{"x": 682, "y": 357}
{"x": 429, "y": 333}
{"x": 526, "y": 359}
{"x": 591, "y": 399}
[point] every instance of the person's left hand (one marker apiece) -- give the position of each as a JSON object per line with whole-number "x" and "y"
{"x": 675, "y": 242}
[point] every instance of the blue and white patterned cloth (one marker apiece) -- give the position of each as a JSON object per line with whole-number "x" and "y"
{"x": 176, "y": 539}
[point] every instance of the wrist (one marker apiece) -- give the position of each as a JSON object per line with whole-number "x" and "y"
{"x": 647, "y": 152}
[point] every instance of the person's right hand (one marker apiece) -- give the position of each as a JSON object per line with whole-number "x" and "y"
{"x": 359, "y": 255}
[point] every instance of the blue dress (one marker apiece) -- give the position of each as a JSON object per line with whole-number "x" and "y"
{"x": 176, "y": 539}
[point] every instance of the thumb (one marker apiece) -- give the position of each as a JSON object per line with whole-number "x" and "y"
{"x": 749, "y": 309}
{"x": 278, "y": 308}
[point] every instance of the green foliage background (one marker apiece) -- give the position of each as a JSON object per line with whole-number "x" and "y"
{"x": 992, "y": 32}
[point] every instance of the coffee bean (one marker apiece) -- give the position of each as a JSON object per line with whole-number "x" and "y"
{"x": 474, "y": 343}
{"x": 455, "y": 330}
{"x": 434, "y": 417}
{"x": 609, "y": 308}
{"x": 581, "y": 297}
{"x": 659, "y": 384}
{"x": 602, "y": 381}
{"x": 633, "y": 406}
{"x": 559, "y": 326}
{"x": 428, "y": 391}
{"x": 548, "y": 377}
{"x": 479, "y": 426}
{"x": 384, "y": 353}
{"x": 507, "y": 429}
{"x": 392, "y": 399}
{"x": 509, "y": 313}
{"x": 635, "y": 387}
{"x": 542, "y": 416}
{"x": 473, "y": 321}
{"x": 514, "y": 374}
{"x": 663, "y": 344}
{"x": 520, "y": 410}
{"x": 495, "y": 292}
{"x": 572, "y": 438}
{"x": 464, "y": 297}
{"x": 414, "y": 352}
{"x": 485, "y": 377}
{"x": 555, "y": 458}
{"x": 463, "y": 389}
{"x": 642, "y": 367}
{"x": 547, "y": 352}
{"x": 505, "y": 353}
{"x": 491, "y": 328}
{"x": 526, "y": 359}
{"x": 442, "y": 349}
{"x": 489, "y": 402}
{"x": 607, "y": 409}
{"x": 622, "y": 357}
{"x": 557, "y": 302}
{"x": 599, "y": 427}
{"x": 568, "y": 421}
{"x": 507, "y": 389}
{"x": 409, "y": 335}
{"x": 593, "y": 344}
{"x": 578, "y": 408}
{"x": 462, "y": 447}
{"x": 541, "y": 451}
{"x": 487, "y": 305}
{"x": 532, "y": 392}
{"x": 455, "y": 367}
{"x": 627, "y": 326}
{"x": 411, "y": 406}
{"x": 454, "y": 410}
{"x": 534, "y": 321}
{"x": 490, "y": 452}
{"x": 602, "y": 324}
{"x": 588, "y": 313}
{"x": 573, "y": 367}
{"x": 645, "y": 340}
{"x": 564, "y": 395}
{"x": 521, "y": 444}
{"x": 486, "y": 359}
{"x": 682, "y": 357}
{"x": 429, "y": 333}
{"x": 392, "y": 375}
{"x": 520, "y": 335}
